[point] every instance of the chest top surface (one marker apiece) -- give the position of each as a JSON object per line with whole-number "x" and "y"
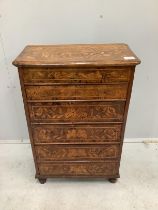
{"x": 77, "y": 55}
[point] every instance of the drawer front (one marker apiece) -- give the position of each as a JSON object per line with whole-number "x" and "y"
{"x": 77, "y": 112}
{"x": 79, "y": 92}
{"x": 70, "y": 153}
{"x": 79, "y": 169}
{"x": 50, "y": 76}
{"x": 78, "y": 134}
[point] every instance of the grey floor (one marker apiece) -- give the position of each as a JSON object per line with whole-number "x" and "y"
{"x": 136, "y": 189}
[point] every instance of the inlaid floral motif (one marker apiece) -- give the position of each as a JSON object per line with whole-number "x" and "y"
{"x": 76, "y": 153}
{"x": 75, "y": 75}
{"x": 78, "y": 134}
{"x": 82, "y": 169}
{"x": 90, "y": 112}
{"x": 76, "y": 92}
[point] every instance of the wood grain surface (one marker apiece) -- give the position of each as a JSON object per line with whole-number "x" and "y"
{"x": 76, "y": 100}
{"x": 76, "y": 55}
{"x": 78, "y": 92}
{"x": 92, "y": 169}
{"x": 66, "y": 153}
{"x": 76, "y": 134}
{"x": 74, "y": 75}
{"x": 77, "y": 112}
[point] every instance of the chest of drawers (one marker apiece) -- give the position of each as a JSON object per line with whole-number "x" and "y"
{"x": 76, "y": 100}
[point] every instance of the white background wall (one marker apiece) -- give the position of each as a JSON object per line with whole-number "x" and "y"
{"x": 134, "y": 22}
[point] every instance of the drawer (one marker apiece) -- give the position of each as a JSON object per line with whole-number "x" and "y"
{"x": 76, "y": 92}
{"x": 70, "y": 75}
{"x": 70, "y": 152}
{"x": 77, "y": 112}
{"x": 79, "y": 169}
{"x": 78, "y": 134}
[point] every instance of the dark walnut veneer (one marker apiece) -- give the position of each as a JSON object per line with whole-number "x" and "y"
{"x": 76, "y": 100}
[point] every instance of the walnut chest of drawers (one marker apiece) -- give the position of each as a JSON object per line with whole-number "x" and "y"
{"x": 76, "y": 100}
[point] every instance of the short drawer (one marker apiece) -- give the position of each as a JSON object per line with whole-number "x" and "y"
{"x": 69, "y": 152}
{"x": 72, "y": 75}
{"x": 79, "y": 169}
{"x": 77, "y": 112}
{"x": 78, "y": 134}
{"x": 76, "y": 92}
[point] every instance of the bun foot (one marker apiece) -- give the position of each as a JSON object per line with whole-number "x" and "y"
{"x": 42, "y": 181}
{"x": 113, "y": 180}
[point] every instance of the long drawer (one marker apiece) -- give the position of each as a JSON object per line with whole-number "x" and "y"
{"x": 78, "y": 134}
{"x": 76, "y": 112}
{"x": 72, "y": 75}
{"x": 77, "y": 152}
{"x": 76, "y": 92}
{"x": 79, "y": 169}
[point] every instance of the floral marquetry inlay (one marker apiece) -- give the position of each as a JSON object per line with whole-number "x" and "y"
{"x": 50, "y": 76}
{"x": 76, "y": 134}
{"x": 79, "y": 169}
{"x": 71, "y": 92}
{"x": 76, "y": 100}
{"x": 76, "y": 152}
{"x": 77, "y": 112}
{"x": 76, "y": 55}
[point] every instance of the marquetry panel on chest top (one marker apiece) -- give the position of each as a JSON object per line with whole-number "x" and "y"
{"x": 76, "y": 100}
